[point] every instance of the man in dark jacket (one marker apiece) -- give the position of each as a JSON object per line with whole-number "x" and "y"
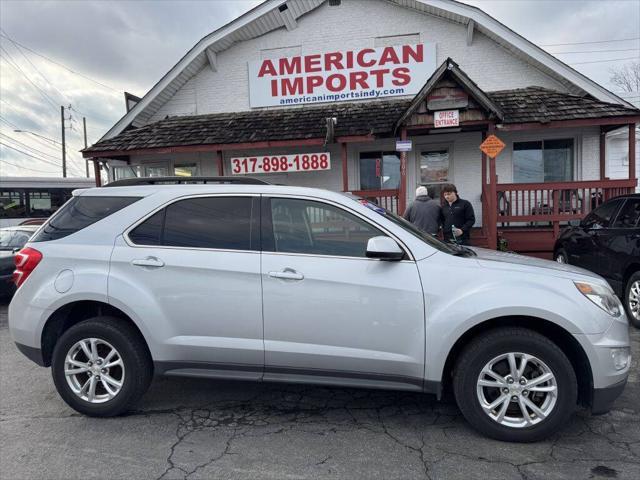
{"x": 458, "y": 216}
{"x": 425, "y": 212}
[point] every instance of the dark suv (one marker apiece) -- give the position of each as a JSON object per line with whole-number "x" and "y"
{"x": 607, "y": 241}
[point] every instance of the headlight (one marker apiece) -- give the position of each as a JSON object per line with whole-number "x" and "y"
{"x": 601, "y": 296}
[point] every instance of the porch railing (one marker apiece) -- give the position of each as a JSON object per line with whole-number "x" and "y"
{"x": 385, "y": 198}
{"x": 536, "y": 203}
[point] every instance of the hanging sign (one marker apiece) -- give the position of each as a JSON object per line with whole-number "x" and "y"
{"x": 299, "y": 162}
{"x": 404, "y": 145}
{"x": 447, "y": 98}
{"x": 492, "y": 146}
{"x": 446, "y": 118}
{"x": 338, "y": 76}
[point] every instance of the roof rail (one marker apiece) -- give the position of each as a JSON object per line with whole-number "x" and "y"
{"x": 128, "y": 182}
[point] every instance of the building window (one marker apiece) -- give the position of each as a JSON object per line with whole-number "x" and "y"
{"x": 186, "y": 170}
{"x": 155, "y": 171}
{"x": 379, "y": 170}
{"x": 434, "y": 170}
{"x": 125, "y": 172}
{"x": 543, "y": 161}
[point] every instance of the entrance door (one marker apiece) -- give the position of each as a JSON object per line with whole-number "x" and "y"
{"x": 330, "y": 313}
{"x": 434, "y": 169}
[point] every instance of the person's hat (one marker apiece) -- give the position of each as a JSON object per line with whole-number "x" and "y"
{"x": 422, "y": 191}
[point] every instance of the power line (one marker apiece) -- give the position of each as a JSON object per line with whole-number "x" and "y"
{"x": 42, "y": 92}
{"x": 37, "y": 158}
{"x": 587, "y": 43}
{"x": 598, "y": 51}
{"x": 29, "y": 155}
{"x": 24, "y": 168}
{"x": 40, "y": 138}
{"x": 603, "y": 61}
{"x": 24, "y": 145}
{"x": 59, "y": 64}
{"x": 17, "y": 47}
{"x": 20, "y": 166}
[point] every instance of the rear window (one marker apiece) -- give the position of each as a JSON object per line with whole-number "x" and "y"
{"x": 208, "y": 222}
{"x": 78, "y": 213}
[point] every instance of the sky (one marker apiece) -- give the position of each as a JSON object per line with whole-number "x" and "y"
{"x": 85, "y": 54}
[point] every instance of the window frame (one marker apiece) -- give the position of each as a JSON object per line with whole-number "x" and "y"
{"x": 268, "y": 241}
{"x": 617, "y": 214}
{"x": 382, "y": 152}
{"x": 576, "y": 168}
{"x": 255, "y": 232}
{"x": 614, "y": 215}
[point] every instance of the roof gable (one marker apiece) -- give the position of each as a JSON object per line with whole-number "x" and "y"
{"x": 450, "y": 70}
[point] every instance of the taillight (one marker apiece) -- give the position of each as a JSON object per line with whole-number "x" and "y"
{"x": 26, "y": 261}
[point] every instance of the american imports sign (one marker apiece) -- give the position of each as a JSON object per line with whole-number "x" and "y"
{"x": 341, "y": 76}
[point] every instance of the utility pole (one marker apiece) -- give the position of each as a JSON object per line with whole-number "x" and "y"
{"x": 84, "y": 128}
{"x": 64, "y": 153}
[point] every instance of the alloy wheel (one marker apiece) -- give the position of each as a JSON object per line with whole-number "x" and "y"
{"x": 94, "y": 370}
{"x": 517, "y": 390}
{"x": 634, "y": 299}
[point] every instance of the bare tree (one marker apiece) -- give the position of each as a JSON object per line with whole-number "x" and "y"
{"x": 626, "y": 77}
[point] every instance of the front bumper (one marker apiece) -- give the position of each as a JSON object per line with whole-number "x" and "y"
{"x": 602, "y": 398}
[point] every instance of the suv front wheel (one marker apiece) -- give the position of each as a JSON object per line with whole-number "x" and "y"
{"x": 632, "y": 299}
{"x": 101, "y": 366}
{"x": 515, "y": 385}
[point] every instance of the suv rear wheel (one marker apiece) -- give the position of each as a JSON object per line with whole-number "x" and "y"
{"x": 101, "y": 367}
{"x": 515, "y": 385}
{"x": 632, "y": 299}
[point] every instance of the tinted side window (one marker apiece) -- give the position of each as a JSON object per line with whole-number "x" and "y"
{"x": 601, "y": 215}
{"x": 78, "y": 213}
{"x": 210, "y": 222}
{"x": 302, "y": 226}
{"x": 629, "y": 216}
{"x": 149, "y": 232}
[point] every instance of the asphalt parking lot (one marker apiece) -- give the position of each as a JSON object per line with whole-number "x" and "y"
{"x": 197, "y": 429}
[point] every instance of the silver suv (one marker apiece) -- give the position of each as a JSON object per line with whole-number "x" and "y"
{"x": 244, "y": 280}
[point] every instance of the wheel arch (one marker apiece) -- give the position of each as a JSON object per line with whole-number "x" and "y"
{"x": 630, "y": 270}
{"x": 72, "y": 313}
{"x": 561, "y": 337}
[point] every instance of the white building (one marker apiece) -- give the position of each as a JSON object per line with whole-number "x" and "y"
{"x": 324, "y": 88}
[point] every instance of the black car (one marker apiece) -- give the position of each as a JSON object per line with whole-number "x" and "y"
{"x": 12, "y": 239}
{"x": 607, "y": 242}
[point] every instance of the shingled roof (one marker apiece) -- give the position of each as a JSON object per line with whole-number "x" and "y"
{"x": 523, "y": 105}
{"x": 537, "y": 104}
{"x": 362, "y": 118}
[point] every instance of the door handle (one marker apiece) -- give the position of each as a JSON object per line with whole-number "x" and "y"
{"x": 287, "y": 274}
{"x": 148, "y": 262}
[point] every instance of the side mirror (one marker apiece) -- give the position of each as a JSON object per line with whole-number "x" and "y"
{"x": 384, "y": 248}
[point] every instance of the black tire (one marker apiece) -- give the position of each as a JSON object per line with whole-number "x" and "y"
{"x": 501, "y": 341}
{"x": 627, "y": 300}
{"x": 135, "y": 357}
{"x": 561, "y": 252}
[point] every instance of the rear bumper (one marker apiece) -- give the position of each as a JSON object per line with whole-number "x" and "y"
{"x": 602, "y": 398}
{"x": 33, "y": 354}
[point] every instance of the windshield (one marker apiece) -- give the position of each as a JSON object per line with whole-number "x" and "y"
{"x": 409, "y": 227}
{"x": 10, "y": 239}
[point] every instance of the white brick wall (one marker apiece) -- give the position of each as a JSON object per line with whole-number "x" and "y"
{"x": 354, "y": 24}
